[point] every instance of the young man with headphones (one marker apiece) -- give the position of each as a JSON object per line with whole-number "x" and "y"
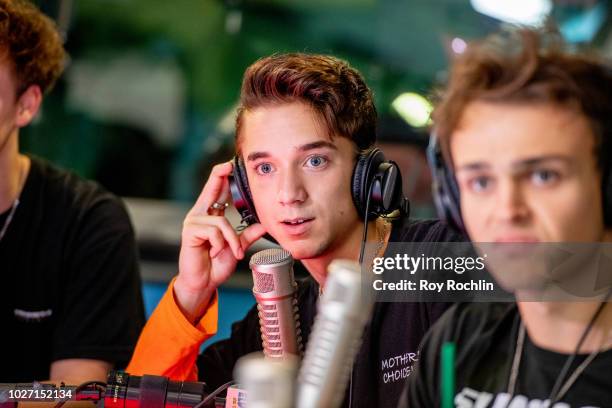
{"x": 304, "y": 173}
{"x": 521, "y": 154}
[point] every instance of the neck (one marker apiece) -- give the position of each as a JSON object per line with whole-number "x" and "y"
{"x": 349, "y": 249}
{"x": 14, "y": 166}
{"x": 558, "y": 326}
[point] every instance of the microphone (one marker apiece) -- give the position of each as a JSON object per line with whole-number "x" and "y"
{"x": 275, "y": 291}
{"x": 267, "y": 383}
{"x": 341, "y": 317}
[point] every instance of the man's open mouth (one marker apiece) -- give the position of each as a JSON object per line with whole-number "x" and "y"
{"x": 296, "y": 221}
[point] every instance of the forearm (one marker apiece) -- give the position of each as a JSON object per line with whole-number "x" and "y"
{"x": 169, "y": 344}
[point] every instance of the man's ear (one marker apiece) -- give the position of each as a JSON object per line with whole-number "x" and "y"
{"x": 28, "y": 104}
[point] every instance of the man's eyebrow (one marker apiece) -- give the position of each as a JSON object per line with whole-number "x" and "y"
{"x": 536, "y": 161}
{"x": 317, "y": 145}
{"x": 257, "y": 155}
{"x": 303, "y": 148}
{"x": 517, "y": 165}
{"x": 473, "y": 166}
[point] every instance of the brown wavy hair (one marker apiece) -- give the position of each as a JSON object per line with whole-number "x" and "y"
{"x": 335, "y": 90}
{"x": 29, "y": 40}
{"x": 527, "y": 66}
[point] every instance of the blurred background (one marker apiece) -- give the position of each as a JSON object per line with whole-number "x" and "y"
{"x": 147, "y": 104}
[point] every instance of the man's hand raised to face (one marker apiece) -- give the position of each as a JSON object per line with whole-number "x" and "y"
{"x": 210, "y": 248}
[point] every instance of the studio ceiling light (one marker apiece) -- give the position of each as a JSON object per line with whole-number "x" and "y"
{"x": 413, "y": 108}
{"x": 527, "y": 12}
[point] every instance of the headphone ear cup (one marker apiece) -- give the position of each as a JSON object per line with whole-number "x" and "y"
{"x": 451, "y": 195}
{"x": 358, "y": 185}
{"x": 241, "y": 193}
{"x": 605, "y": 161}
{"x": 391, "y": 187}
{"x": 445, "y": 190}
{"x": 607, "y": 195}
{"x": 366, "y": 169}
{"x": 385, "y": 195}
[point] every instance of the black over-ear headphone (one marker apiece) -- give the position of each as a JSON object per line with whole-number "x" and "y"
{"x": 444, "y": 186}
{"x": 446, "y": 191}
{"x": 376, "y": 184}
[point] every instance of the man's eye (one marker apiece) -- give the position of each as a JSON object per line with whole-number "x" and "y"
{"x": 264, "y": 168}
{"x": 544, "y": 177}
{"x": 316, "y": 161}
{"x": 480, "y": 184}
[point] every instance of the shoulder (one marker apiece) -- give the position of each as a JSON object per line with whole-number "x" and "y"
{"x": 76, "y": 198}
{"x": 427, "y": 230}
{"x": 67, "y": 185}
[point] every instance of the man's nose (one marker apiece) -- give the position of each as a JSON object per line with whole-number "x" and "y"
{"x": 511, "y": 203}
{"x": 291, "y": 188}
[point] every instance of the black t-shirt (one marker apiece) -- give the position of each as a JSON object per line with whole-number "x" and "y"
{"x": 69, "y": 273}
{"x": 485, "y": 335}
{"x": 390, "y": 341}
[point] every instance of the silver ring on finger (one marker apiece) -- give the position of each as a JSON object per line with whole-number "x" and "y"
{"x": 219, "y": 206}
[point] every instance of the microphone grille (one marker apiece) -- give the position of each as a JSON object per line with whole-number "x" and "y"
{"x": 270, "y": 256}
{"x": 264, "y": 282}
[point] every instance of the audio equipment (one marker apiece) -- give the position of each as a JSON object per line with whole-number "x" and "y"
{"x": 275, "y": 291}
{"x": 444, "y": 189}
{"x": 265, "y": 382}
{"x": 343, "y": 311}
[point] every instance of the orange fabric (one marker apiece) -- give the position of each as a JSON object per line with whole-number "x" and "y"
{"x": 169, "y": 344}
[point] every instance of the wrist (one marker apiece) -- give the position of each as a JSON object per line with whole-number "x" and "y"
{"x": 193, "y": 303}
